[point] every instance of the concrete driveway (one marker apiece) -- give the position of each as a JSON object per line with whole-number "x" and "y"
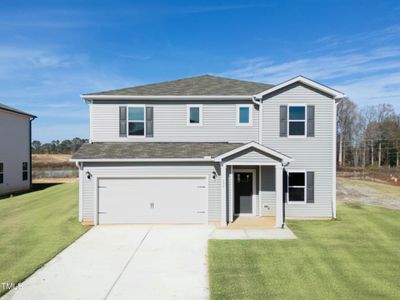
{"x": 126, "y": 262}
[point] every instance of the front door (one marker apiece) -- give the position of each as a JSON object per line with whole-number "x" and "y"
{"x": 243, "y": 193}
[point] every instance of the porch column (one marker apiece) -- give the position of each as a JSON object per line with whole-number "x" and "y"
{"x": 279, "y": 196}
{"x": 223, "y": 195}
{"x": 231, "y": 194}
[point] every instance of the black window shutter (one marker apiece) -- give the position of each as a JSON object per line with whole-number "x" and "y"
{"x": 122, "y": 121}
{"x": 149, "y": 121}
{"x": 283, "y": 121}
{"x": 310, "y": 187}
{"x": 311, "y": 120}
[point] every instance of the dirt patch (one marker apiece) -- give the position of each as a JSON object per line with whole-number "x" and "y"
{"x": 53, "y": 180}
{"x": 366, "y": 192}
{"x": 54, "y": 161}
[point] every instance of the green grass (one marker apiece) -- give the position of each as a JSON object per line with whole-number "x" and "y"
{"x": 354, "y": 257}
{"x": 34, "y": 227}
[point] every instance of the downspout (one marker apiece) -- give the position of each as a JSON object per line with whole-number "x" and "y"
{"x": 284, "y": 165}
{"x": 334, "y": 158}
{"x": 259, "y": 103}
{"x": 30, "y": 151}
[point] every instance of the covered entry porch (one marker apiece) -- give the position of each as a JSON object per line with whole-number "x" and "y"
{"x": 252, "y": 187}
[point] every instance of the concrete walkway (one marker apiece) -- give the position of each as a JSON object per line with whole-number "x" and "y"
{"x": 253, "y": 234}
{"x": 126, "y": 262}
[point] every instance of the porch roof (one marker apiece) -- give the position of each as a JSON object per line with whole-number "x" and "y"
{"x": 258, "y": 149}
{"x": 170, "y": 151}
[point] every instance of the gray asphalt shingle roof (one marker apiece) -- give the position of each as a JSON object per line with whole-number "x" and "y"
{"x": 8, "y": 108}
{"x": 205, "y": 85}
{"x": 144, "y": 150}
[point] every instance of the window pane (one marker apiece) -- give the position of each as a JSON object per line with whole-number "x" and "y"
{"x": 1, "y": 167}
{"x": 24, "y": 175}
{"x": 25, "y": 166}
{"x": 136, "y": 128}
{"x": 296, "y": 128}
{"x": 244, "y": 115}
{"x": 296, "y": 179}
{"x": 194, "y": 115}
{"x": 297, "y": 113}
{"x": 136, "y": 113}
{"x": 296, "y": 194}
{"x": 1, "y": 178}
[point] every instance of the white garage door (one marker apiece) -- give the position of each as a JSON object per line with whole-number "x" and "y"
{"x": 152, "y": 200}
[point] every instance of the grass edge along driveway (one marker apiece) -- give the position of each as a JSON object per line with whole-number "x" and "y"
{"x": 35, "y": 227}
{"x": 356, "y": 256}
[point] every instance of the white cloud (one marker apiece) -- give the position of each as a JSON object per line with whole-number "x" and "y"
{"x": 368, "y": 75}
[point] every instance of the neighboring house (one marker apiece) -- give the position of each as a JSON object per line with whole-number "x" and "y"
{"x": 206, "y": 149}
{"x": 15, "y": 150}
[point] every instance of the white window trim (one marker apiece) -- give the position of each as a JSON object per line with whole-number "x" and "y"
{"x": 127, "y": 122}
{"x": 305, "y": 120}
{"x": 2, "y": 172}
{"x": 250, "y": 107}
{"x": 200, "y": 107}
{"x": 297, "y": 186}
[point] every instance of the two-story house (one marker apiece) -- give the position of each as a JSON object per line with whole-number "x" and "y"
{"x": 207, "y": 149}
{"x": 15, "y": 150}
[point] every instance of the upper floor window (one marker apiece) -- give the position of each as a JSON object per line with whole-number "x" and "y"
{"x": 194, "y": 115}
{"x": 297, "y": 187}
{"x": 24, "y": 171}
{"x": 243, "y": 115}
{"x": 297, "y": 120}
{"x": 1, "y": 173}
{"x": 136, "y": 121}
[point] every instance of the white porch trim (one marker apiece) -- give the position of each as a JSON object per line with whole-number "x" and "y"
{"x": 280, "y": 156}
{"x": 279, "y": 196}
{"x": 223, "y": 196}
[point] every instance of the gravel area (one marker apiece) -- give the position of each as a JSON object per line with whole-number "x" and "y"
{"x": 366, "y": 192}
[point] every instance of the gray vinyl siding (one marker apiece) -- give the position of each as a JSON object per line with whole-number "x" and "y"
{"x": 14, "y": 150}
{"x": 309, "y": 153}
{"x": 268, "y": 198}
{"x": 170, "y": 122}
{"x": 150, "y": 169}
{"x": 250, "y": 156}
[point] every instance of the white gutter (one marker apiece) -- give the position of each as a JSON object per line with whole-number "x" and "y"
{"x": 157, "y": 97}
{"x": 142, "y": 160}
{"x": 259, "y": 103}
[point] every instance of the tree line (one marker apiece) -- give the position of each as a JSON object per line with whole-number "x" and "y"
{"x": 57, "y": 147}
{"x": 368, "y": 136}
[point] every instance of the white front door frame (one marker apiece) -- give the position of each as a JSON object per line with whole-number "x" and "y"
{"x": 253, "y": 202}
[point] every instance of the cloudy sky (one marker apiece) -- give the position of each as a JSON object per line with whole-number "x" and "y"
{"x": 53, "y": 51}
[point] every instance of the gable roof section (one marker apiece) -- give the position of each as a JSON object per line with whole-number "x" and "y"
{"x": 14, "y": 110}
{"x": 280, "y": 156}
{"x": 301, "y": 79}
{"x": 205, "y": 85}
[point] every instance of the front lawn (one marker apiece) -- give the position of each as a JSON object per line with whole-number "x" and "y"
{"x": 354, "y": 257}
{"x": 34, "y": 227}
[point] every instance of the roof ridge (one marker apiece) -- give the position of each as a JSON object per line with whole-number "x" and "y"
{"x": 205, "y": 84}
{"x": 14, "y": 110}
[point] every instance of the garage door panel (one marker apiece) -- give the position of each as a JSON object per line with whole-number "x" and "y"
{"x": 152, "y": 200}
